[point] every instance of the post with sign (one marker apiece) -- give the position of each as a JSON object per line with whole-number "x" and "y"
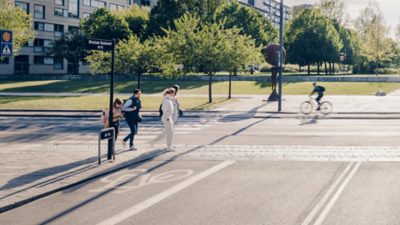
{"x": 106, "y": 45}
{"x": 6, "y": 43}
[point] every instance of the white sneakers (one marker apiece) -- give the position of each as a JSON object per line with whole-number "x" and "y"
{"x": 133, "y": 148}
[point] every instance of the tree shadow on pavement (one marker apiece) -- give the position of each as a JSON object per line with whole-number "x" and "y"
{"x": 135, "y": 163}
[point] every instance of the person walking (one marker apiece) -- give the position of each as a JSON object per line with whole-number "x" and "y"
{"x": 131, "y": 109}
{"x": 167, "y": 118}
{"x": 117, "y": 115}
{"x": 177, "y": 112}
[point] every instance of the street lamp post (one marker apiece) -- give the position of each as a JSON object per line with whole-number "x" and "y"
{"x": 280, "y": 58}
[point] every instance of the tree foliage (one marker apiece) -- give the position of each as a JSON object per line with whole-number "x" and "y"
{"x": 312, "y": 39}
{"x": 250, "y": 21}
{"x": 17, "y": 20}
{"x": 71, "y": 46}
{"x": 376, "y": 47}
{"x": 137, "y": 18}
{"x": 104, "y": 24}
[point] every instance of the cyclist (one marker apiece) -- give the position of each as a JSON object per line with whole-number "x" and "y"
{"x": 320, "y": 91}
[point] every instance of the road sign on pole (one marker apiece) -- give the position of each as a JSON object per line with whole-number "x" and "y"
{"x": 106, "y": 45}
{"x": 100, "y": 44}
{"x": 6, "y": 43}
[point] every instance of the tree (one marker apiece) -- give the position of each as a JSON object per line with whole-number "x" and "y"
{"x": 250, "y": 21}
{"x": 333, "y": 9}
{"x": 105, "y": 25}
{"x": 131, "y": 57}
{"x": 17, "y": 20}
{"x": 163, "y": 15}
{"x": 137, "y": 18}
{"x": 312, "y": 39}
{"x": 376, "y": 48}
{"x": 71, "y": 46}
{"x": 240, "y": 51}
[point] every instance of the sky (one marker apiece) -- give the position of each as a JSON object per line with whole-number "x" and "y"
{"x": 390, "y": 8}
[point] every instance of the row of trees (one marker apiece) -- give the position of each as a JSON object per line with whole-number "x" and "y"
{"x": 318, "y": 36}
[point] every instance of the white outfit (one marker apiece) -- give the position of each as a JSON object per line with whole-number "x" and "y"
{"x": 167, "y": 119}
{"x": 175, "y": 103}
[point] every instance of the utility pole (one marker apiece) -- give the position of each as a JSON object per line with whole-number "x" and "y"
{"x": 280, "y": 58}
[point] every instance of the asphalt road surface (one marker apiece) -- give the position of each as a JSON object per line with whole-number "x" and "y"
{"x": 230, "y": 190}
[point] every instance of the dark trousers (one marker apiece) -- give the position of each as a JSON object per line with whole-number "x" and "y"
{"x": 133, "y": 126}
{"x": 116, "y": 128}
{"x": 319, "y": 97}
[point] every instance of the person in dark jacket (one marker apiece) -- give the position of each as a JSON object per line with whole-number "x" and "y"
{"x": 320, "y": 91}
{"x": 131, "y": 111}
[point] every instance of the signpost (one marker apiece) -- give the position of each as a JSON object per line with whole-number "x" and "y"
{"x": 6, "y": 43}
{"x": 106, "y": 45}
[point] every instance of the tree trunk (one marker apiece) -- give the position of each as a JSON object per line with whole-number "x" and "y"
{"x": 309, "y": 69}
{"x": 230, "y": 84}
{"x": 326, "y": 68}
{"x": 330, "y": 68}
{"x": 318, "y": 69}
{"x": 333, "y": 67}
{"x": 209, "y": 87}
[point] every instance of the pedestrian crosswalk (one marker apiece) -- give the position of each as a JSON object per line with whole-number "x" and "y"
{"x": 150, "y": 130}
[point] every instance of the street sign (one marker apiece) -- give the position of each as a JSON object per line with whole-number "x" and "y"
{"x": 6, "y": 43}
{"x": 99, "y": 44}
{"x": 106, "y": 134}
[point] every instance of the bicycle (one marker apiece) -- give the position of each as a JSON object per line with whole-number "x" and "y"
{"x": 311, "y": 105}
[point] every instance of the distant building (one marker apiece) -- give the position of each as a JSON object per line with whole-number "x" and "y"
{"x": 51, "y": 20}
{"x": 270, "y": 9}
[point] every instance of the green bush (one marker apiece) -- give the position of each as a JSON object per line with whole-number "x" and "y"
{"x": 387, "y": 71}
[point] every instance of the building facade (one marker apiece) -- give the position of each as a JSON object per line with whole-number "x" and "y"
{"x": 270, "y": 9}
{"x": 51, "y": 20}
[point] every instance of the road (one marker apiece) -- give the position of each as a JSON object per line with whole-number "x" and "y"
{"x": 229, "y": 171}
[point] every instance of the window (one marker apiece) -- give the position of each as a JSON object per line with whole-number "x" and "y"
{"x": 60, "y": 12}
{"x": 39, "y": 26}
{"x": 86, "y": 15}
{"x": 58, "y": 30}
{"x": 4, "y": 60}
{"x": 59, "y": 2}
{"x": 38, "y": 59}
{"x": 48, "y": 60}
{"x": 49, "y": 27}
{"x": 23, "y": 5}
{"x": 38, "y": 45}
{"x": 39, "y": 11}
{"x": 87, "y": 2}
{"x": 145, "y": 3}
{"x": 58, "y": 63}
{"x": 73, "y": 9}
{"x": 98, "y": 4}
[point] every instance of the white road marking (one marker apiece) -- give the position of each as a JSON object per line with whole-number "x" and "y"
{"x": 329, "y": 206}
{"x": 321, "y": 203}
{"x": 163, "y": 195}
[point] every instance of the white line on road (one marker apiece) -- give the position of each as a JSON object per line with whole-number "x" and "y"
{"x": 163, "y": 195}
{"x": 329, "y": 206}
{"x": 318, "y": 207}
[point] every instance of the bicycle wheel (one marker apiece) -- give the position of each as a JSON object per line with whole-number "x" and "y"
{"x": 326, "y": 107}
{"x": 306, "y": 107}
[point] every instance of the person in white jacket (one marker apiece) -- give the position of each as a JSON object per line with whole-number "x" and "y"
{"x": 167, "y": 118}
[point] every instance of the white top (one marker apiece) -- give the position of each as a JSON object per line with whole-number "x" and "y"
{"x": 167, "y": 107}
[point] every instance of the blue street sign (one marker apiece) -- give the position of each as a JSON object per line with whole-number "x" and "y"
{"x": 6, "y": 43}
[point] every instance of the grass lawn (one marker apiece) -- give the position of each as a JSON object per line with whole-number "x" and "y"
{"x": 194, "y": 87}
{"x": 99, "y": 102}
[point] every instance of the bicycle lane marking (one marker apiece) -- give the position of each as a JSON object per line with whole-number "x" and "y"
{"x": 344, "y": 179}
{"x": 163, "y": 195}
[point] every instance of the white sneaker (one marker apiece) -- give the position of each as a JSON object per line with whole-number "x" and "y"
{"x": 170, "y": 149}
{"x": 133, "y": 148}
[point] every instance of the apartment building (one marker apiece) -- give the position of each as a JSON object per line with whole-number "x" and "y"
{"x": 270, "y": 9}
{"x": 51, "y": 20}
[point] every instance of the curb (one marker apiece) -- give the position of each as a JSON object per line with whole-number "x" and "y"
{"x": 146, "y": 157}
